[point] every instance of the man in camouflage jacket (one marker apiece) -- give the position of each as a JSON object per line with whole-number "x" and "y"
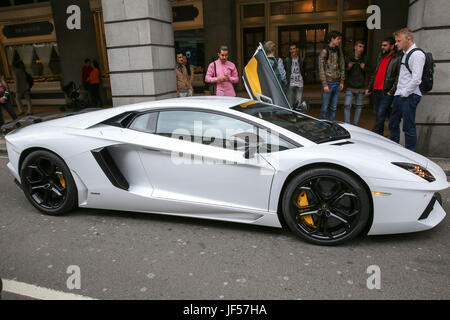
{"x": 332, "y": 75}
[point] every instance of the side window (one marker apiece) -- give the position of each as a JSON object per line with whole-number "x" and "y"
{"x": 145, "y": 122}
{"x": 273, "y": 142}
{"x": 201, "y": 127}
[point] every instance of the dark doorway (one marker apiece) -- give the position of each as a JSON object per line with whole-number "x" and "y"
{"x": 354, "y": 31}
{"x": 192, "y": 44}
{"x": 252, "y": 38}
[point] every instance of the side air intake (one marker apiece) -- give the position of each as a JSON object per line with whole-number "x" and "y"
{"x": 109, "y": 167}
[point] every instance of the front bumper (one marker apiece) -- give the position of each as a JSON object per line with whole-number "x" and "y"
{"x": 405, "y": 211}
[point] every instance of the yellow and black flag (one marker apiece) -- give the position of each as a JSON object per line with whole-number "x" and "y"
{"x": 261, "y": 82}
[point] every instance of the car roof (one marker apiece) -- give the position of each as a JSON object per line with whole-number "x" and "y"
{"x": 86, "y": 120}
{"x": 196, "y": 101}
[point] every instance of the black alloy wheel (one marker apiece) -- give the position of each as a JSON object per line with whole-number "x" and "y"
{"x": 48, "y": 183}
{"x": 326, "y": 206}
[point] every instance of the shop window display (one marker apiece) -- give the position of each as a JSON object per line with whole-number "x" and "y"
{"x": 41, "y": 60}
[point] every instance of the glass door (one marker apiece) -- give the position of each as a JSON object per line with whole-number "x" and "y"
{"x": 252, "y": 38}
{"x": 311, "y": 39}
{"x": 354, "y": 31}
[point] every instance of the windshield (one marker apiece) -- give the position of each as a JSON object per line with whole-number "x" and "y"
{"x": 309, "y": 128}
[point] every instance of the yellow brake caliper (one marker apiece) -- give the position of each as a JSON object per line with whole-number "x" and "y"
{"x": 61, "y": 180}
{"x": 302, "y": 201}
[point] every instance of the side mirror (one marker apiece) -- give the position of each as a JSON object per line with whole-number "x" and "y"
{"x": 247, "y": 142}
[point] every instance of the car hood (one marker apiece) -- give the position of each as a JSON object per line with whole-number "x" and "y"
{"x": 379, "y": 148}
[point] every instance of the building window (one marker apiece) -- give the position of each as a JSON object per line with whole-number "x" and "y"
{"x": 325, "y": 5}
{"x": 41, "y": 60}
{"x": 354, "y": 31}
{"x": 302, "y": 6}
{"x": 310, "y": 40}
{"x": 7, "y": 3}
{"x": 253, "y": 10}
{"x": 252, "y": 38}
{"x": 192, "y": 44}
{"x": 19, "y": 2}
{"x": 355, "y": 4}
{"x": 281, "y": 8}
{"x": 291, "y": 7}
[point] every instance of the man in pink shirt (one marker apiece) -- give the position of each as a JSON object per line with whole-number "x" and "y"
{"x": 222, "y": 73}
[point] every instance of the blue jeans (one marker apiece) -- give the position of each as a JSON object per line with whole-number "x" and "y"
{"x": 349, "y": 95}
{"x": 405, "y": 108}
{"x": 330, "y": 101}
{"x": 382, "y": 106}
{"x": 295, "y": 95}
{"x": 9, "y": 109}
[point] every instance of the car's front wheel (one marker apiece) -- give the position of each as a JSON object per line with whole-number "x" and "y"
{"x": 48, "y": 183}
{"x": 326, "y": 206}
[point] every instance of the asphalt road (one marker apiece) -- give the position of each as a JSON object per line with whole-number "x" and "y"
{"x": 124, "y": 255}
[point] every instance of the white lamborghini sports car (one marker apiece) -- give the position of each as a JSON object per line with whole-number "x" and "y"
{"x": 229, "y": 159}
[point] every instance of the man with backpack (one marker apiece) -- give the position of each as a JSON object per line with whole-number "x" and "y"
{"x": 408, "y": 93}
{"x": 332, "y": 75}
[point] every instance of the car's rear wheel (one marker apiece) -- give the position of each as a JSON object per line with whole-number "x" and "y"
{"x": 326, "y": 206}
{"x": 48, "y": 183}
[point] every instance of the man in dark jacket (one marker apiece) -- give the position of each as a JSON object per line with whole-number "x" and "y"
{"x": 383, "y": 82}
{"x": 355, "y": 81}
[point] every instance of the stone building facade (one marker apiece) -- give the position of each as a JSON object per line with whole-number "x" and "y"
{"x": 140, "y": 46}
{"x": 429, "y": 19}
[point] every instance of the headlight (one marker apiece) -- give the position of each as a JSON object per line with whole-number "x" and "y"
{"x": 417, "y": 170}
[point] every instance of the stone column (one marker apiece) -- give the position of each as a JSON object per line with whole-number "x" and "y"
{"x": 141, "y": 54}
{"x": 429, "y": 21}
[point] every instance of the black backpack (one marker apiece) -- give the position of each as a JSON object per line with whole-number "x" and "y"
{"x": 428, "y": 70}
{"x": 30, "y": 80}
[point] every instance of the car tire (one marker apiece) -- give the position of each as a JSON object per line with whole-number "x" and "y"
{"x": 326, "y": 206}
{"x": 48, "y": 184}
